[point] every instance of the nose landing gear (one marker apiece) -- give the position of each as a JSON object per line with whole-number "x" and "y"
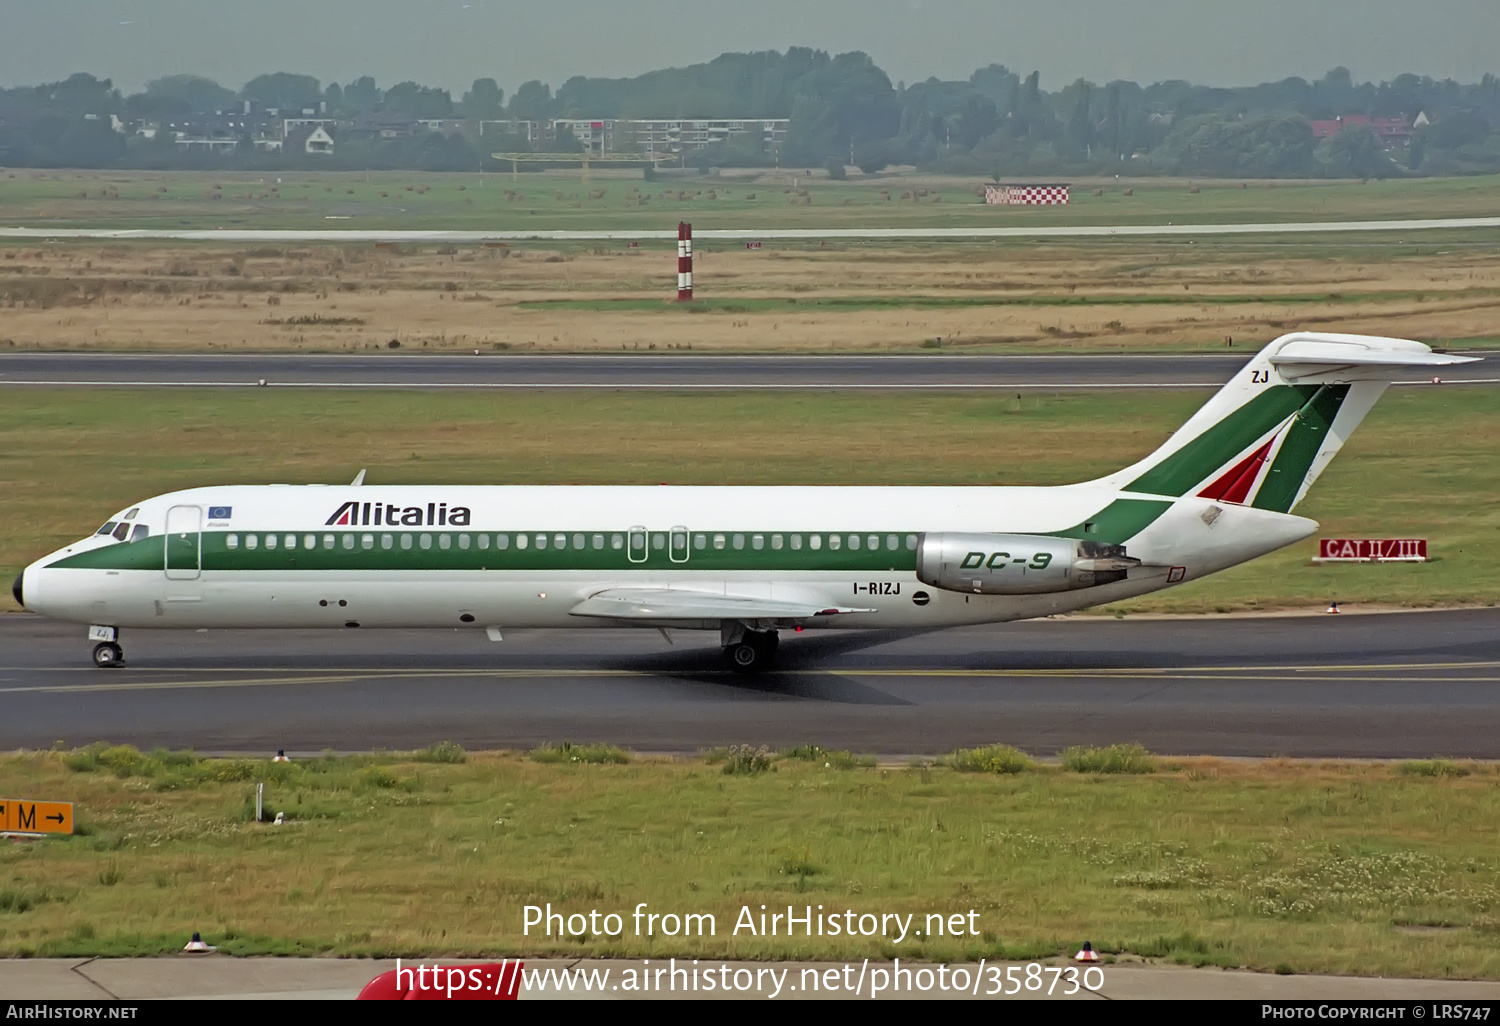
{"x": 108, "y": 652}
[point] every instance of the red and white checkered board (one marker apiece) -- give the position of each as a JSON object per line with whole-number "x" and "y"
{"x": 1027, "y": 195}
{"x": 1038, "y": 195}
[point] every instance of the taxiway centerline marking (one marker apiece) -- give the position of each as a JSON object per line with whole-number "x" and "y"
{"x": 1031, "y": 671}
{"x": 1160, "y": 677}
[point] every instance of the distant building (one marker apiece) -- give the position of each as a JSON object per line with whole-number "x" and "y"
{"x": 1390, "y": 133}
{"x": 679, "y": 135}
{"x": 524, "y": 129}
{"x": 290, "y": 126}
{"x": 596, "y": 136}
{"x": 318, "y": 141}
{"x": 602, "y": 136}
{"x": 378, "y": 126}
{"x": 447, "y": 126}
{"x": 215, "y": 133}
{"x": 308, "y": 140}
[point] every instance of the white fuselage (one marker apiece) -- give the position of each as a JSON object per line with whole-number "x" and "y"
{"x": 525, "y": 557}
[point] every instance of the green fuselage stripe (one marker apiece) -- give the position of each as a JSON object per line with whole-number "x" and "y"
{"x": 340, "y": 548}
{"x": 1118, "y": 522}
{"x": 367, "y": 550}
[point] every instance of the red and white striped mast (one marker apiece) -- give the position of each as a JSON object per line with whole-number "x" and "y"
{"x": 684, "y": 261}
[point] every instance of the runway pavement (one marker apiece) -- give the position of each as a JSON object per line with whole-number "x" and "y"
{"x": 396, "y": 370}
{"x": 336, "y": 235}
{"x": 1377, "y": 686}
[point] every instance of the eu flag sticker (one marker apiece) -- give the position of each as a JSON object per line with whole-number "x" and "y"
{"x": 219, "y": 512}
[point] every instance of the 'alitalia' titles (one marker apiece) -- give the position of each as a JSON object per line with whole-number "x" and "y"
{"x": 388, "y": 514}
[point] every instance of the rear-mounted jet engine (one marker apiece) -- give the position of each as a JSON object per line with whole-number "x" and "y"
{"x": 1018, "y": 564}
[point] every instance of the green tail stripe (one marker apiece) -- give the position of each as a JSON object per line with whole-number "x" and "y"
{"x": 1199, "y": 458}
{"x": 1306, "y": 436}
{"x": 1118, "y": 522}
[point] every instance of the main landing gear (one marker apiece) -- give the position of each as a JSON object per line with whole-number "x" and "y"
{"x": 752, "y": 651}
{"x": 108, "y": 652}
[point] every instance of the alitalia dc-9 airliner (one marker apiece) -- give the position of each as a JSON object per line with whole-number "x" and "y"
{"x": 744, "y": 561}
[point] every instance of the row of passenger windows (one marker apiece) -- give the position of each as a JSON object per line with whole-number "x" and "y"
{"x": 577, "y": 541}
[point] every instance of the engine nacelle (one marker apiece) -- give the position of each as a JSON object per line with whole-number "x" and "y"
{"x": 1017, "y": 564}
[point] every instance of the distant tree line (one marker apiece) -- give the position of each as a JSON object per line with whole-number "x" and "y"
{"x": 842, "y": 109}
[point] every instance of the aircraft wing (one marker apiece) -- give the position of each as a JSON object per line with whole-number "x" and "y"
{"x": 679, "y": 604}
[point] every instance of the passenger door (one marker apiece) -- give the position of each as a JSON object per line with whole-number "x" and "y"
{"x": 637, "y": 542}
{"x": 184, "y": 543}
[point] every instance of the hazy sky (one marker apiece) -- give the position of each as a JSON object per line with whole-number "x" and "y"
{"x": 451, "y": 42}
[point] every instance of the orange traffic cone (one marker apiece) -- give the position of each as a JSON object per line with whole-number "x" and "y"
{"x": 1087, "y": 954}
{"x": 197, "y": 947}
{"x": 1333, "y": 607}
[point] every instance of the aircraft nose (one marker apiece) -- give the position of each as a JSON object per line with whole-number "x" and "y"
{"x": 17, "y": 590}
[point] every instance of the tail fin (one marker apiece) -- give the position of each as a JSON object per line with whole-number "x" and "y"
{"x": 1267, "y": 435}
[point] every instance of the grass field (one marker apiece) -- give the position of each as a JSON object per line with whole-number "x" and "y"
{"x": 787, "y": 198}
{"x": 1424, "y": 463}
{"x": 1354, "y": 868}
{"x": 1073, "y": 296}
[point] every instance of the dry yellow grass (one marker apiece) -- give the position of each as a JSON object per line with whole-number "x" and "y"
{"x": 845, "y": 299}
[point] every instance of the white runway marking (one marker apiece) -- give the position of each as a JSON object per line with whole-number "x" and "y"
{"x": 788, "y": 234}
{"x": 616, "y": 386}
{"x": 671, "y": 386}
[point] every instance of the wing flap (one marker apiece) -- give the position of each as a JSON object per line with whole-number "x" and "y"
{"x": 678, "y": 604}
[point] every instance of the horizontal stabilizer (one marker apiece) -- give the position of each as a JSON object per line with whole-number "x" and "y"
{"x": 1373, "y": 356}
{"x": 677, "y": 604}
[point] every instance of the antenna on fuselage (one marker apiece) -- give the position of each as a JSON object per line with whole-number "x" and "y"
{"x": 359, "y": 479}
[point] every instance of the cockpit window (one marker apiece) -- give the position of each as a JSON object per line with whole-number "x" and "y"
{"x": 141, "y": 531}
{"x": 107, "y": 528}
{"x": 132, "y": 513}
{"x": 122, "y": 531}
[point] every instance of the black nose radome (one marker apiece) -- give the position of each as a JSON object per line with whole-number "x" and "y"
{"x": 15, "y": 589}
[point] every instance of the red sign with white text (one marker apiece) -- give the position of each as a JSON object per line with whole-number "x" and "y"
{"x": 1372, "y": 550}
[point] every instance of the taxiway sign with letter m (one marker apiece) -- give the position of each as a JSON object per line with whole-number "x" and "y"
{"x": 22, "y": 816}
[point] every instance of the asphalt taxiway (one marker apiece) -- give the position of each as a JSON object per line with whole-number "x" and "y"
{"x": 1371, "y": 686}
{"x": 395, "y": 370}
